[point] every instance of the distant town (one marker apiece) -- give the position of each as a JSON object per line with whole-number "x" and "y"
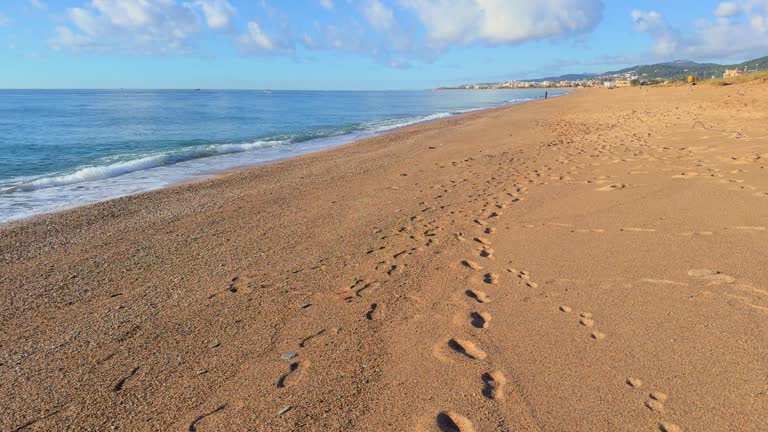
{"x": 639, "y": 75}
{"x": 622, "y": 80}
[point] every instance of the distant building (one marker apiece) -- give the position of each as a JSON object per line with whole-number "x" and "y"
{"x": 623, "y": 83}
{"x": 609, "y": 84}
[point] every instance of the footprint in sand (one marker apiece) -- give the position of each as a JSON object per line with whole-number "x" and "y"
{"x": 491, "y": 278}
{"x": 480, "y": 320}
{"x": 654, "y": 405}
{"x": 453, "y": 422}
{"x": 566, "y": 309}
{"x": 294, "y": 375}
{"x": 466, "y": 348}
{"x": 494, "y": 385}
{"x": 596, "y": 335}
{"x": 471, "y": 264}
{"x": 486, "y": 252}
{"x": 317, "y": 337}
{"x": 386, "y": 267}
{"x": 669, "y": 427}
{"x": 374, "y": 312}
{"x": 193, "y": 425}
{"x": 491, "y": 230}
{"x": 346, "y": 294}
{"x": 586, "y": 319}
{"x": 483, "y": 241}
{"x": 478, "y": 296}
{"x": 634, "y": 382}
{"x": 522, "y": 274}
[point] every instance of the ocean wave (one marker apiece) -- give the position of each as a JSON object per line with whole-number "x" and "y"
{"x": 522, "y": 100}
{"x": 111, "y": 169}
{"x": 103, "y": 172}
{"x": 383, "y": 126}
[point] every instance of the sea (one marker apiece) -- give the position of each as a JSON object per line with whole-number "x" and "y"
{"x": 65, "y": 148}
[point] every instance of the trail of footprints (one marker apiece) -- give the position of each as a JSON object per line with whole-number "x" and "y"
{"x": 492, "y": 382}
{"x": 654, "y": 401}
{"x": 418, "y": 233}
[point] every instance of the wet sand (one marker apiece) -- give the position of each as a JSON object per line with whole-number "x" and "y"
{"x": 594, "y": 262}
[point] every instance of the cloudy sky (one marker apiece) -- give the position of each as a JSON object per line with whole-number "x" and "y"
{"x": 358, "y": 44}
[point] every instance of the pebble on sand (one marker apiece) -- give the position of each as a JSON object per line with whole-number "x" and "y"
{"x": 289, "y": 356}
{"x": 284, "y": 410}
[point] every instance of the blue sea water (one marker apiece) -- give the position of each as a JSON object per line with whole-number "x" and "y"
{"x": 64, "y": 148}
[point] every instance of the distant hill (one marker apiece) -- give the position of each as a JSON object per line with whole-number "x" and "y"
{"x": 675, "y": 70}
{"x": 569, "y": 77}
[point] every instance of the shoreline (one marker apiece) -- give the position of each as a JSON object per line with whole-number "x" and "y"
{"x": 589, "y": 263}
{"x": 229, "y": 162}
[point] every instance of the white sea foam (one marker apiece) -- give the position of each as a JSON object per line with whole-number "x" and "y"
{"x": 399, "y": 123}
{"x": 102, "y": 172}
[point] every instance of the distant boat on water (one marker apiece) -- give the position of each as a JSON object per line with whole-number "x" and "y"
{"x": 268, "y": 91}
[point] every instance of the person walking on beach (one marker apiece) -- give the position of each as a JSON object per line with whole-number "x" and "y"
{"x": 546, "y": 95}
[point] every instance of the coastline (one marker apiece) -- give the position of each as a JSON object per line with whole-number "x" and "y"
{"x": 25, "y": 196}
{"x": 613, "y": 239}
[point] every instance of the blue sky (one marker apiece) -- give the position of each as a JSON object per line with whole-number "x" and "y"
{"x": 358, "y": 44}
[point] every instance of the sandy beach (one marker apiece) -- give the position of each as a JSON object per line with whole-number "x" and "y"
{"x": 592, "y": 262}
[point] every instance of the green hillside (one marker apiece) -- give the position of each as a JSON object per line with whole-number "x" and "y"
{"x": 672, "y": 71}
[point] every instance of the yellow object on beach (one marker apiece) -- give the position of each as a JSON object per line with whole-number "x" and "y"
{"x": 691, "y": 79}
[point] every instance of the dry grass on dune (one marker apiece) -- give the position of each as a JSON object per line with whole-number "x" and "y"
{"x": 761, "y": 76}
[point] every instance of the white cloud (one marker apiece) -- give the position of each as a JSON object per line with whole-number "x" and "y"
{"x": 218, "y": 13}
{"x": 4, "y": 20}
{"x": 391, "y": 31}
{"x": 66, "y": 38}
{"x": 380, "y": 17}
{"x": 38, "y": 4}
{"x": 666, "y": 40}
{"x": 738, "y": 31}
{"x": 255, "y": 38}
{"x": 727, "y": 9}
{"x": 504, "y": 21}
{"x": 349, "y": 36}
{"x": 146, "y": 25}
